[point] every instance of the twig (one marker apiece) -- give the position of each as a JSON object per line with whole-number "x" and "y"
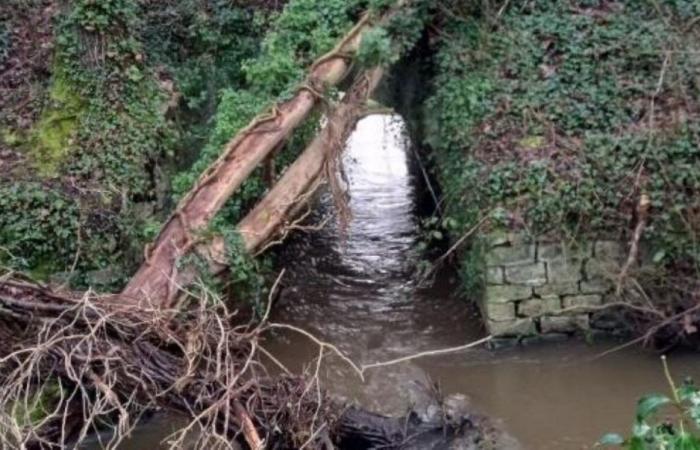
{"x": 442, "y": 351}
{"x": 642, "y": 214}
{"x": 273, "y": 290}
{"x": 249, "y": 432}
{"x": 455, "y": 246}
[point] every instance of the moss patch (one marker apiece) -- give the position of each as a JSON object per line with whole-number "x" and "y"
{"x": 53, "y": 135}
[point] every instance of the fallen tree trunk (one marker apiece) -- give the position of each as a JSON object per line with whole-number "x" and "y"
{"x": 272, "y": 213}
{"x": 93, "y": 367}
{"x": 156, "y": 280}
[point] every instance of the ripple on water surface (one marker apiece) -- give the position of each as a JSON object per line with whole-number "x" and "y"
{"x": 356, "y": 291}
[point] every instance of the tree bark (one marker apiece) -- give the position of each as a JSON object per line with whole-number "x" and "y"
{"x": 155, "y": 283}
{"x": 270, "y": 215}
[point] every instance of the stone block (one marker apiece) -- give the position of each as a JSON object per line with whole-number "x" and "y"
{"x": 611, "y": 250}
{"x": 535, "y": 307}
{"x": 564, "y": 324}
{"x": 518, "y": 327}
{"x": 506, "y": 293}
{"x": 556, "y": 289}
{"x": 582, "y": 301}
{"x": 564, "y": 270}
{"x": 499, "y": 312}
{"x": 596, "y": 286}
{"x": 531, "y": 274}
{"x": 549, "y": 338}
{"x": 561, "y": 250}
{"x": 503, "y": 343}
{"x": 494, "y": 275}
{"x": 510, "y": 255}
{"x": 601, "y": 269}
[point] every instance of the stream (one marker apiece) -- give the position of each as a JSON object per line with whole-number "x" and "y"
{"x": 356, "y": 291}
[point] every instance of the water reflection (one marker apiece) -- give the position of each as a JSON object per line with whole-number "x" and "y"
{"x": 356, "y": 289}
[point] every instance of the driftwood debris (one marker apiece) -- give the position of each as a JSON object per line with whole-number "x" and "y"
{"x": 97, "y": 363}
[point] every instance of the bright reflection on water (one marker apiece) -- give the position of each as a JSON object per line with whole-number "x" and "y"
{"x": 356, "y": 291}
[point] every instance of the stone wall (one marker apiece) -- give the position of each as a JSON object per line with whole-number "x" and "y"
{"x": 547, "y": 287}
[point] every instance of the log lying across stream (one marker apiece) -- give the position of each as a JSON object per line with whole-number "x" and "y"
{"x": 156, "y": 281}
{"x": 74, "y": 365}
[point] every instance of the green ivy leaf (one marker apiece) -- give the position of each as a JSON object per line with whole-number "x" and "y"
{"x": 611, "y": 439}
{"x": 659, "y": 256}
{"x": 649, "y": 404}
{"x": 686, "y": 442}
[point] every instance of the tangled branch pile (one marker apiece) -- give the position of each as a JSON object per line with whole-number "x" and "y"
{"x": 77, "y": 366}
{"x": 82, "y": 364}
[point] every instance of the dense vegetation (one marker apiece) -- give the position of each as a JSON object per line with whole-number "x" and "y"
{"x": 116, "y": 109}
{"x": 548, "y": 117}
{"x": 554, "y": 116}
{"x": 135, "y": 101}
{"x": 132, "y": 94}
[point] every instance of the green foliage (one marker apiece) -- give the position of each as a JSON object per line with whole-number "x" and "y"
{"x": 379, "y": 6}
{"x": 203, "y": 45}
{"x": 547, "y": 119}
{"x": 375, "y": 48}
{"x": 44, "y": 230}
{"x": 245, "y": 279}
{"x": 37, "y": 226}
{"x": 134, "y": 89}
{"x": 384, "y": 45}
{"x": 106, "y": 134}
{"x": 56, "y": 129}
{"x": 303, "y": 31}
{"x": 678, "y": 430}
{"x": 100, "y": 138}
{"x": 407, "y": 24}
{"x": 245, "y": 273}
{"x": 122, "y": 131}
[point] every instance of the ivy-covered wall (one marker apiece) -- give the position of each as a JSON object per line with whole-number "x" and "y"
{"x": 553, "y": 117}
{"x": 123, "y": 98}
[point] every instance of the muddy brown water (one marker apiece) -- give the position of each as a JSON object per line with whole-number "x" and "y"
{"x": 357, "y": 291}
